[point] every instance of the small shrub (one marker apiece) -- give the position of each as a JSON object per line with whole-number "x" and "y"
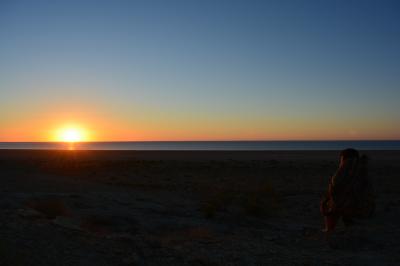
{"x": 97, "y": 224}
{"x": 259, "y": 201}
{"x": 219, "y": 201}
{"x": 209, "y": 209}
{"x": 11, "y": 255}
{"x": 262, "y": 201}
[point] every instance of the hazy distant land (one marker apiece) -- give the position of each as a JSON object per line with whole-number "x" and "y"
{"x": 268, "y": 145}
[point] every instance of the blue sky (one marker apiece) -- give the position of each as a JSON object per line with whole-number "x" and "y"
{"x": 237, "y": 69}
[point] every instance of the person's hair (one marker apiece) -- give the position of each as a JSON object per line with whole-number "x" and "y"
{"x": 349, "y": 154}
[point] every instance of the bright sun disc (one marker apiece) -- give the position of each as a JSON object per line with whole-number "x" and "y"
{"x": 71, "y": 135}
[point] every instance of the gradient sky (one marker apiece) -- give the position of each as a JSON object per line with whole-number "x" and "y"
{"x": 200, "y": 70}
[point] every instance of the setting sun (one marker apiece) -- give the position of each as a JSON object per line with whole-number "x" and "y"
{"x": 71, "y": 134}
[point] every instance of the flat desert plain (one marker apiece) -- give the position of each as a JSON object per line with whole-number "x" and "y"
{"x": 187, "y": 208}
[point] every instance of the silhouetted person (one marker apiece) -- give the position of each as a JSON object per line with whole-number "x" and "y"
{"x": 350, "y": 193}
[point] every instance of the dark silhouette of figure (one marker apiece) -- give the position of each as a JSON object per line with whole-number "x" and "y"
{"x": 350, "y": 194}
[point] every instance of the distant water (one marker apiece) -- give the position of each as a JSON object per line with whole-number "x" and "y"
{"x": 207, "y": 145}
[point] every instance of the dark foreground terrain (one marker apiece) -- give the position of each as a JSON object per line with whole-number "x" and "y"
{"x": 187, "y": 208}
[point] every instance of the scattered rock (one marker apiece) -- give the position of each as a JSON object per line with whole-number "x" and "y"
{"x": 30, "y": 213}
{"x": 67, "y": 222}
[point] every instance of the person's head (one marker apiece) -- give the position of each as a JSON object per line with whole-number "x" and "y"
{"x": 348, "y": 154}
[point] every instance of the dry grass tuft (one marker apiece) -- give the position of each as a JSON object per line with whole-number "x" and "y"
{"x": 50, "y": 207}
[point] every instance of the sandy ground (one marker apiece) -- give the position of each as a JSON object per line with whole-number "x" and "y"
{"x": 187, "y": 208}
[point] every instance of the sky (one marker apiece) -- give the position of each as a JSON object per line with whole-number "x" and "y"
{"x": 200, "y": 70}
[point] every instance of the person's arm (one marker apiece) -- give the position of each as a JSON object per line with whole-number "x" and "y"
{"x": 337, "y": 184}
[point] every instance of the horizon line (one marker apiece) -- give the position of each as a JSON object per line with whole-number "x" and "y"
{"x": 261, "y": 140}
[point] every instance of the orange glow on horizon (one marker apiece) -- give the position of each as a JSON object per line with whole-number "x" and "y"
{"x": 96, "y": 123}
